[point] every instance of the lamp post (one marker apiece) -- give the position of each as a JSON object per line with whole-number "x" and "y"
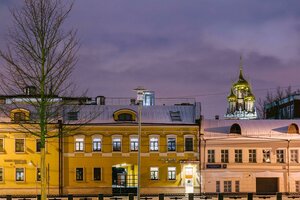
{"x": 140, "y": 96}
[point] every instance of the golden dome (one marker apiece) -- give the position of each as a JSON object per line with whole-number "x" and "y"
{"x": 241, "y": 83}
{"x": 250, "y": 96}
{"x": 232, "y": 97}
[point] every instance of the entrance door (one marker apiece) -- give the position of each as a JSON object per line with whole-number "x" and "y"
{"x": 189, "y": 182}
{"x": 266, "y": 185}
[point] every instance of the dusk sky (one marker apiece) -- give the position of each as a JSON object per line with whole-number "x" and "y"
{"x": 182, "y": 48}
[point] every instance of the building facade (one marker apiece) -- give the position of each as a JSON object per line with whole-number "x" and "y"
{"x": 259, "y": 156}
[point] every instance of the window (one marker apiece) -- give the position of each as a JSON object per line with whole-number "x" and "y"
{"x": 224, "y": 156}
{"x": 171, "y": 144}
{"x": 72, "y": 116}
{"x": 97, "y": 174}
{"x": 154, "y": 173}
{"x": 154, "y": 144}
{"x": 19, "y": 117}
{"x": 1, "y": 145}
{"x": 266, "y": 155}
{"x": 238, "y": 155}
{"x": 293, "y": 128}
{"x": 171, "y": 173}
{"x": 96, "y": 144}
{"x": 38, "y": 174}
{"x": 280, "y": 156}
{"x": 20, "y": 174}
{"x": 218, "y": 186}
{"x": 134, "y": 144}
{"x": 116, "y": 144}
{"x": 79, "y": 144}
{"x": 38, "y": 145}
{"x": 175, "y": 116}
{"x": 188, "y": 144}
{"x": 19, "y": 145}
{"x": 1, "y": 175}
{"x": 297, "y": 186}
{"x": 237, "y": 186}
{"x": 294, "y": 156}
{"x": 79, "y": 174}
{"x": 210, "y": 156}
{"x": 235, "y": 128}
{"x": 125, "y": 117}
{"x": 227, "y": 186}
{"x": 252, "y": 155}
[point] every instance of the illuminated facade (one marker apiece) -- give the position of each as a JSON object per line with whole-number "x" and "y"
{"x": 241, "y": 100}
{"x": 259, "y": 156}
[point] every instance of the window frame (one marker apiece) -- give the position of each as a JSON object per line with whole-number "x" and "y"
{"x": 224, "y": 156}
{"x": 77, "y": 177}
{"x": 38, "y": 145}
{"x": 2, "y": 145}
{"x": 238, "y": 155}
{"x": 171, "y": 143}
{"x": 100, "y": 176}
{"x": 211, "y": 155}
{"x": 97, "y": 142}
{"x": 23, "y": 144}
{"x": 1, "y": 174}
{"x": 154, "y": 173}
{"x": 171, "y": 173}
{"x": 186, "y": 147}
{"x": 227, "y": 186}
{"x": 134, "y": 143}
{"x": 252, "y": 153}
{"x": 79, "y": 145}
{"x": 153, "y": 148}
{"x": 294, "y": 158}
{"x": 114, "y": 148}
{"x": 22, "y": 174}
{"x": 266, "y": 152}
{"x": 280, "y": 158}
{"x": 38, "y": 174}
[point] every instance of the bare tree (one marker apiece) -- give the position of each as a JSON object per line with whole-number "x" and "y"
{"x": 42, "y": 55}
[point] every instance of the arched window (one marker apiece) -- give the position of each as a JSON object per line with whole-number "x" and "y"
{"x": 124, "y": 115}
{"x": 293, "y": 128}
{"x": 19, "y": 115}
{"x": 235, "y": 128}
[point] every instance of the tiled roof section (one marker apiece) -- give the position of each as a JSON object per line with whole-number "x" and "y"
{"x": 250, "y": 128}
{"x": 150, "y": 114}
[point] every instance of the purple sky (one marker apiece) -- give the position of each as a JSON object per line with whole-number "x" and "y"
{"x": 183, "y": 48}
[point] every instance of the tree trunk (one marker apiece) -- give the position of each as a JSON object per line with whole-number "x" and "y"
{"x": 43, "y": 174}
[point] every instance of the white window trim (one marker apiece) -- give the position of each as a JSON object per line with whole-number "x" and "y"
{"x": 157, "y": 173}
{"x": 158, "y": 141}
{"x": 189, "y": 136}
{"x": 112, "y": 142}
{"x": 79, "y": 137}
{"x": 175, "y": 173}
{"x": 290, "y": 154}
{"x": 176, "y": 146}
{"x": 284, "y": 155}
{"x": 131, "y": 137}
{"x": 97, "y": 136}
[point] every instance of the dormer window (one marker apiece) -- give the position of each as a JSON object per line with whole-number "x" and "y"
{"x": 175, "y": 116}
{"x": 19, "y": 115}
{"x": 293, "y": 128}
{"x": 125, "y": 115}
{"x": 235, "y": 128}
{"x": 72, "y": 116}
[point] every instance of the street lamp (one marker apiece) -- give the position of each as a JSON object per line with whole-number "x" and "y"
{"x": 140, "y": 96}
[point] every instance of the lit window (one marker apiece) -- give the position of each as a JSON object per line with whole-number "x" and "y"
{"x": 116, "y": 144}
{"x": 227, "y": 186}
{"x": 280, "y": 156}
{"x": 20, "y": 174}
{"x": 97, "y": 174}
{"x": 154, "y": 173}
{"x": 238, "y": 155}
{"x": 224, "y": 156}
{"x": 294, "y": 156}
{"x": 175, "y": 116}
{"x": 1, "y": 145}
{"x": 97, "y": 144}
{"x": 38, "y": 145}
{"x": 210, "y": 156}
{"x": 154, "y": 144}
{"x": 171, "y": 173}
{"x": 266, "y": 155}
{"x": 171, "y": 144}
{"x": 19, "y": 145}
{"x": 188, "y": 144}
{"x": 252, "y": 155}
{"x": 79, "y": 174}
{"x": 79, "y": 144}
{"x": 1, "y": 175}
{"x": 38, "y": 174}
{"x": 134, "y": 144}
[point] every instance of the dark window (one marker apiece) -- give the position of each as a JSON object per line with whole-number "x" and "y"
{"x": 171, "y": 144}
{"x": 188, "y": 144}
{"x": 19, "y": 145}
{"x": 235, "y": 128}
{"x": 97, "y": 174}
{"x": 224, "y": 156}
{"x": 38, "y": 145}
{"x": 117, "y": 144}
{"x": 72, "y": 115}
{"x": 293, "y": 128}
{"x": 1, "y": 145}
{"x": 38, "y": 174}
{"x": 238, "y": 155}
{"x": 19, "y": 117}
{"x": 175, "y": 116}
{"x": 79, "y": 174}
{"x": 125, "y": 117}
